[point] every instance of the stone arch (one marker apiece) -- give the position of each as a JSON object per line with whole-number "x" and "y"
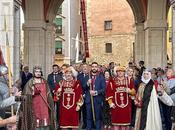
{"x": 40, "y": 14}
{"x": 139, "y": 10}
{"x": 138, "y": 7}
{"x": 50, "y": 9}
{"x": 38, "y": 28}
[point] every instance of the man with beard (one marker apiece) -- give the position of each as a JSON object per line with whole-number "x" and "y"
{"x": 119, "y": 93}
{"x": 69, "y": 93}
{"x": 94, "y": 96}
{"x": 37, "y": 111}
{"x": 55, "y": 77}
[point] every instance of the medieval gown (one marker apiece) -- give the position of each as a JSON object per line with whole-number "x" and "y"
{"x": 117, "y": 93}
{"x": 148, "y": 112}
{"x": 70, "y": 97}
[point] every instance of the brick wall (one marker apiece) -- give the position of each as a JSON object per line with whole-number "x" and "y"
{"x": 121, "y": 36}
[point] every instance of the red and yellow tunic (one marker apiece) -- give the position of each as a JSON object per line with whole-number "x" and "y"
{"x": 69, "y": 93}
{"x": 119, "y": 92}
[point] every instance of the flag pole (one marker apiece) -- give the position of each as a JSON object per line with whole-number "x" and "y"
{"x": 92, "y": 102}
{"x": 8, "y": 63}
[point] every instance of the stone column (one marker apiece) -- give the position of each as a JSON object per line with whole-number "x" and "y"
{"x": 173, "y": 32}
{"x": 10, "y": 22}
{"x": 50, "y": 47}
{"x": 17, "y": 39}
{"x": 155, "y": 34}
{"x": 36, "y": 47}
{"x": 67, "y": 24}
{"x": 139, "y": 45}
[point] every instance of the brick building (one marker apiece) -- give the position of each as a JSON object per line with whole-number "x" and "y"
{"x": 110, "y": 30}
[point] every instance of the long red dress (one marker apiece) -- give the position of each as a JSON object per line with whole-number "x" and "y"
{"x": 70, "y": 96}
{"x": 40, "y": 108}
{"x": 117, "y": 93}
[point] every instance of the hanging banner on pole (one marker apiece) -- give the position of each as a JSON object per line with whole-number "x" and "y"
{"x": 8, "y": 61}
{"x": 83, "y": 15}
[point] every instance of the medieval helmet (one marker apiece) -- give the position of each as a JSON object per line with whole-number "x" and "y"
{"x": 3, "y": 70}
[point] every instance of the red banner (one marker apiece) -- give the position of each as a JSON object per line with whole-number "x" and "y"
{"x": 83, "y": 15}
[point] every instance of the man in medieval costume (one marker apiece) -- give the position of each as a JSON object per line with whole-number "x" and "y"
{"x": 148, "y": 111}
{"x": 69, "y": 93}
{"x": 5, "y": 99}
{"x": 119, "y": 94}
{"x": 37, "y": 108}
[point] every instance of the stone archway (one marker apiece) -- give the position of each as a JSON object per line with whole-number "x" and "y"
{"x": 155, "y": 28}
{"x": 151, "y": 25}
{"x": 139, "y": 8}
{"x": 150, "y": 22}
{"x": 39, "y": 32}
{"x": 51, "y": 8}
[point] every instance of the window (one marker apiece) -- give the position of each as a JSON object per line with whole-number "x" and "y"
{"x": 58, "y": 47}
{"x": 58, "y": 23}
{"x": 59, "y": 29}
{"x": 108, "y": 47}
{"x": 108, "y": 25}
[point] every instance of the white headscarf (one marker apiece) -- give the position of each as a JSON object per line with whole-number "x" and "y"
{"x": 146, "y": 80}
